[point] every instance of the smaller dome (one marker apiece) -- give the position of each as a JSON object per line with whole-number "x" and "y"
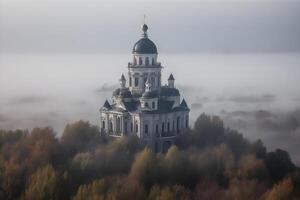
{"x": 124, "y": 93}
{"x": 166, "y": 91}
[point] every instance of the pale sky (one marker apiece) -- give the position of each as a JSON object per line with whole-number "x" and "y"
{"x": 87, "y": 26}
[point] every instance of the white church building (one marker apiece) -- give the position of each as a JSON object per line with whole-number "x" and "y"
{"x": 142, "y": 106}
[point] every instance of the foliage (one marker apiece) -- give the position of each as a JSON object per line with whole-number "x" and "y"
{"x": 43, "y": 184}
{"x": 207, "y": 162}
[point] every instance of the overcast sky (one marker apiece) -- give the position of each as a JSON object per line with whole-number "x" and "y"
{"x": 88, "y": 26}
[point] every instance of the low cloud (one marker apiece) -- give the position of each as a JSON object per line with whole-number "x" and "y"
{"x": 277, "y": 129}
{"x": 28, "y": 100}
{"x": 106, "y": 88}
{"x": 254, "y": 99}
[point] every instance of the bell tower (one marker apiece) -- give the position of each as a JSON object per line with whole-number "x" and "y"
{"x": 144, "y": 65}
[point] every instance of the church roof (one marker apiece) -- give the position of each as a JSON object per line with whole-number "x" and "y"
{"x": 106, "y": 105}
{"x": 183, "y": 104}
{"x": 150, "y": 94}
{"x": 167, "y": 91}
{"x": 125, "y": 93}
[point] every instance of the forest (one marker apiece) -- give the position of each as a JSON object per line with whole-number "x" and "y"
{"x": 209, "y": 162}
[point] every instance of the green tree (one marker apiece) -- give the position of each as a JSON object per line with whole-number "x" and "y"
{"x": 80, "y": 136}
{"x": 208, "y": 130}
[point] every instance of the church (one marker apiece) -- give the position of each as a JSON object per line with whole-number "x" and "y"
{"x": 142, "y": 105}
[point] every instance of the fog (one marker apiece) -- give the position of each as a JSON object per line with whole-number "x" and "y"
{"x": 60, "y": 59}
{"x": 256, "y": 94}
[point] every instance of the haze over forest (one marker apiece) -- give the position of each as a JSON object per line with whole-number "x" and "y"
{"x": 239, "y": 60}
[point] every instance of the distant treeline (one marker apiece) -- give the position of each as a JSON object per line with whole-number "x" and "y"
{"x": 209, "y": 162}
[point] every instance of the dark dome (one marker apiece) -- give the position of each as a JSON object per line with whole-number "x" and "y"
{"x": 166, "y": 91}
{"x": 144, "y": 46}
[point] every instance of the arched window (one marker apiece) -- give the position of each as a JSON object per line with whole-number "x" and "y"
{"x": 110, "y": 126}
{"x": 147, "y": 61}
{"x": 134, "y": 60}
{"x": 125, "y": 127}
{"x": 140, "y": 61}
{"x": 152, "y": 61}
{"x": 136, "y": 81}
{"x": 118, "y": 124}
{"x": 178, "y": 124}
{"x": 153, "y": 81}
{"x": 187, "y": 122}
{"x": 173, "y": 126}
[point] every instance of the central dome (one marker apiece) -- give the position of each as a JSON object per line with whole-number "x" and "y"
{"x": 144, "y": 45}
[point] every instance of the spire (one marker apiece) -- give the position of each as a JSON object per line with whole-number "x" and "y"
{"x": 183, "y": 104}
{"x": 122, "y": 81}
{"x": 171, "y": 77}
{"x": 123, "y": 78}
{"x": 145, "y": 28}
{"x": 106, "y": 105}
{"x": 171, "y": 81}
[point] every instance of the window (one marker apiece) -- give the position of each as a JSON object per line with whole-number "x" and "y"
{"x": 158, "y": 81}
{"x": 130, "y": 81}
{"x": 131, "y": 127}
{"x": 140, "y": 61}
{"x": 152, "y": 61}
{"x": 156, "y": 129}
{"x": 125, "y": 127}
{"x": 147, "y": 61}
{"x": 163, "y": 127}
{"x": 118, "y": 124}
{"x": 178, "y": 124}
{"x": 136, "y": 128}
{"x": 146, "y": 128}
{"x": 111, "y": 126}
{"x": 153, "y": 104}
{"x": 146, "y": 104}
{"x": 173, "y": 126}
{"x": 168, "y": 127}
{"x": 103, "y": 124}
{"x": 153, "y": 81}
{"x": 186, "y": 122}
{"x": 136, "y": 81}
{"x": 134, "y": 60}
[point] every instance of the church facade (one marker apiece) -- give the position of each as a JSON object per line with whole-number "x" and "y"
{"x": 142, "y": 106}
